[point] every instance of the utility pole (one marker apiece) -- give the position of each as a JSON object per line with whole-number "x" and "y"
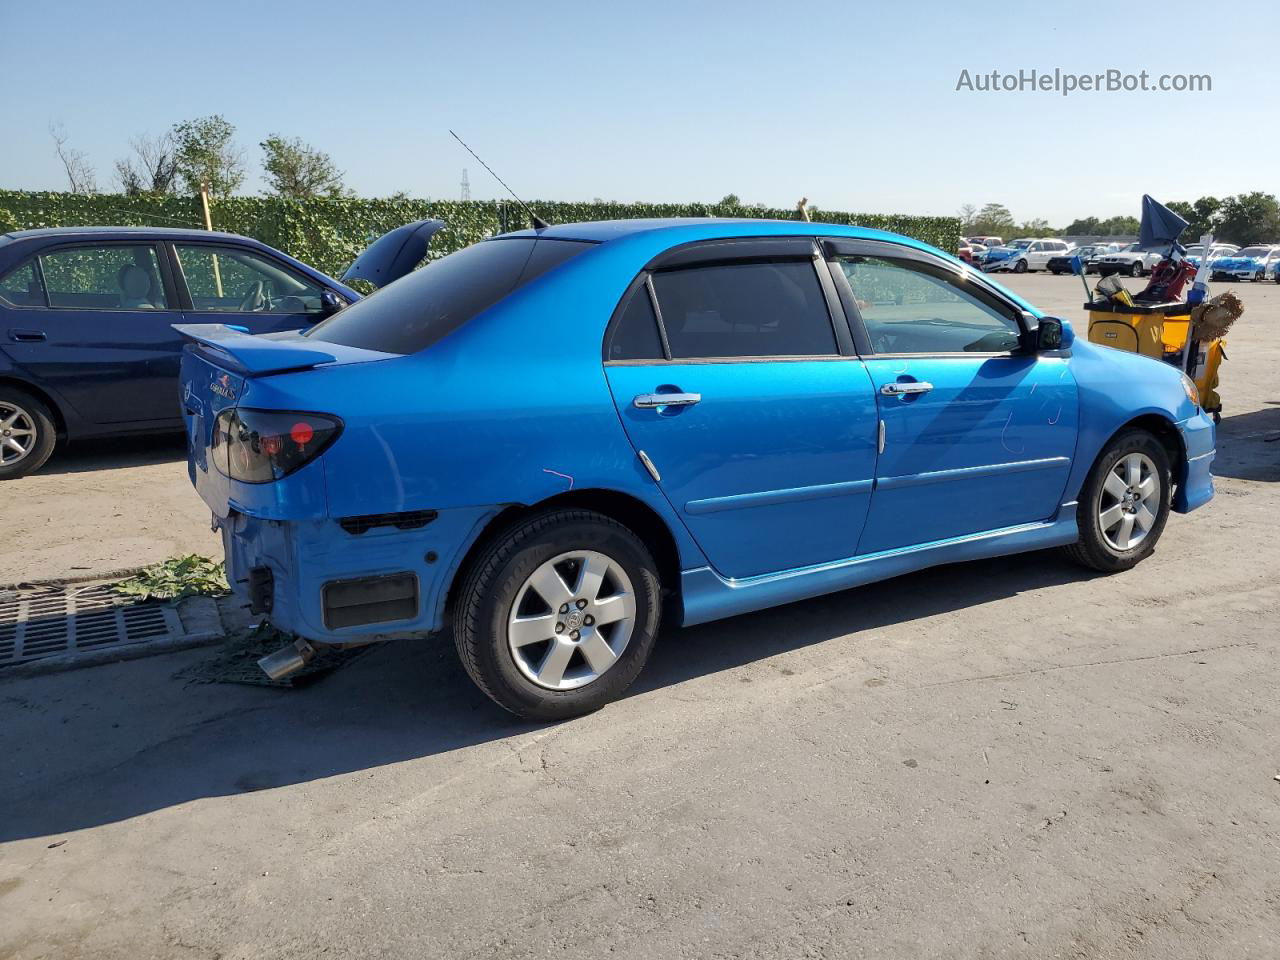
{"x": 466, "y": 185}
{"x": 208, "y": 225}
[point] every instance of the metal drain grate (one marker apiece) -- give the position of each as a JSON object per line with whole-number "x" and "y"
{"x": 55, "y": 621}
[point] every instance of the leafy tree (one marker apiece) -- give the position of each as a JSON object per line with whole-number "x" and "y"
{"x": 152, "y": 168}
{"x": 1083, "y": 227}
{"x": 994, "y": 219}
{"x": 298, "y": 170}
{"x": 1202, "y": 216}
{"x": 730, "y": 200}
{"x": 80, "y": 175}
{"x": 1249, "y": 218}
{"x": 1118, "y": 226}
{"x": 206, "y": 153}
{"x": 1036, "y": 228}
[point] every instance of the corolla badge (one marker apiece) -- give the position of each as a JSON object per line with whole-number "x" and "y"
{"x": 222, "y": 387}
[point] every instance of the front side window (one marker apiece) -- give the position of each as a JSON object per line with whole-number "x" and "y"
{"x": 113, "y": 277}
{"x": 910, "y": 307}
{"x": 771, "y": 309}
{"x": 419, "y": 309}
{"x": 21, "y": 287}
{"x": 224, "y": 279}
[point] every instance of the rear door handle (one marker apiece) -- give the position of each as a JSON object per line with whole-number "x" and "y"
{"x": 647, "y": 401}
{"x": 902, "y": 389}
{"x": 27, "y": 336}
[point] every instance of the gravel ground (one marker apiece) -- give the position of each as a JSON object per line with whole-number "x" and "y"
{"x": 1008, "y": 758}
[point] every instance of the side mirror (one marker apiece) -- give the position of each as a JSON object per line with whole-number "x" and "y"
{"x": 330, "y": 303}
{"x": 1053, "y": 334}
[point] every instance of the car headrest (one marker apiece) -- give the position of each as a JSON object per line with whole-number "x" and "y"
{"x": 134, "y": 282}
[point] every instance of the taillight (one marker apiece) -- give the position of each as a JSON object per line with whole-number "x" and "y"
{"x": 259, "y": 446}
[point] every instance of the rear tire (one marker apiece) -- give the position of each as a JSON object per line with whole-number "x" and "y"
{"x": 560, "y": 573}
{"x": 1135, "y": 270}
{"x": 1119, "y": 518}
{"x": 27, "y": 433}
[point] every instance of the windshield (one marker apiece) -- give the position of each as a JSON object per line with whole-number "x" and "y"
{"x": 1019, "y": 244}
{"x": 1253, "y": 252}
{"x": 419, "y": 309}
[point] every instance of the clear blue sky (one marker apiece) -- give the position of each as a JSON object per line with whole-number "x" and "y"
{"x": 851, "y": 104}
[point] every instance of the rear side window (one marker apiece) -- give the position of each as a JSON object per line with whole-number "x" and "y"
{"x": 115, "y": 277}
{"x": 745, "y": 310}
{"x": 21, "y": 287}
{"x": 635, "y": 334}
{"x": 416, "y": 311}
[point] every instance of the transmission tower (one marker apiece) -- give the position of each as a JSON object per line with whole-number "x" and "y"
{"x": 466, "y": 185}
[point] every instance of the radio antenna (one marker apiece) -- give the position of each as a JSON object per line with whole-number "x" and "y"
{"x": 538, "y": 222}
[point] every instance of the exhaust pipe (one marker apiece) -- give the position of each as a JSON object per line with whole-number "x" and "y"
{"x": 288, "y": 660}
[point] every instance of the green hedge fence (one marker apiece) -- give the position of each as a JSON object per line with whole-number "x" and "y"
{"x": 329, "y": 233}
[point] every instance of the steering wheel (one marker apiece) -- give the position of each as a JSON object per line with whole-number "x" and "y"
{"x": 254, "y": 299}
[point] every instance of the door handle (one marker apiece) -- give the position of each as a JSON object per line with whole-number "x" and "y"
{"x": 647, "y": 401}
{"x": 903, "y": 389}
{"x": 26, "y": 336}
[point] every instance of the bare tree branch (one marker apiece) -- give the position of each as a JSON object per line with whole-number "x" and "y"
{"x": 80, "y": 175}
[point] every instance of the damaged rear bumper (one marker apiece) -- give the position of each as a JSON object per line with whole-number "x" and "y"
{"x": 340, "y": 581}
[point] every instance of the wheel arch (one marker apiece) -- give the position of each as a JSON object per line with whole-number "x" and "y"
{"x": 632, "y": 512}
{"x": 1164, "y": 430}
{"x": 59, "y": 418}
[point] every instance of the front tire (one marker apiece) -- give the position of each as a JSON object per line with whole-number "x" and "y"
{"x": 1124, "y": 505}
{"x": 1135, "y": 270}
{"x": 27, "y": 433}
{"x": 1020, "y": 267}
{"x": 559, "y": 614}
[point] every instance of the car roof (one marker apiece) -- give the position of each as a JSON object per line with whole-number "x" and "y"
{"x": 171, "y": 233}
{"x": 676, "y": 230}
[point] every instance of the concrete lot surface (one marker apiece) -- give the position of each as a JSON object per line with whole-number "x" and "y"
{"x": 1011, "y": 758}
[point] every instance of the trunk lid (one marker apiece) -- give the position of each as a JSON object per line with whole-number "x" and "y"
{"x": 219, "y": 365}
{"x": 394, "y": 254}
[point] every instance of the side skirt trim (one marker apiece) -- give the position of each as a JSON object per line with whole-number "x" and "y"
{"x": 709, "y": 596}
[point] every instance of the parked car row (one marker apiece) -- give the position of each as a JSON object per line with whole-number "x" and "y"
{"x": 1019, "y": 256}
{"x": 1257, "y": 262}
{"x": 1089, "y": 255}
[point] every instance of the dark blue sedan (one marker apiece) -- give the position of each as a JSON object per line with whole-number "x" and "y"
{"x": 87, "y": 345}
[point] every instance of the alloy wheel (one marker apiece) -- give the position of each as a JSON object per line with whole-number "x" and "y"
{"x": 17, "y": 433}
{"x": 571, "y": 620}
{"x": 1129, "y": 501}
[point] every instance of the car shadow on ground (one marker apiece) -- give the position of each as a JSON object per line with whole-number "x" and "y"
{"x": 88, "y": 456}
{"x": 405, "y": 701}
{"x": 1249, "y": 445}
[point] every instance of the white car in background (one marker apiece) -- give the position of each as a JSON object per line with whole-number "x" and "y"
{"x": 1019, "y": 256}
{"x": 1196, "y": 251}
{"x": 1130, "y": 261}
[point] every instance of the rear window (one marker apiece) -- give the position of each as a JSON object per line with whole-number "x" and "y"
{"x": 420, "y": 309}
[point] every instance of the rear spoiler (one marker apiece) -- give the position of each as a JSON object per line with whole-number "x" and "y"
{"x": 253, "y": 356}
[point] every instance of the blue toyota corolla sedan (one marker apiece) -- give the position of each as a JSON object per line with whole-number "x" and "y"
{"x": 556, "y": 439}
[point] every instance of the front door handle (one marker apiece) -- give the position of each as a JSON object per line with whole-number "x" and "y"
{"x": 26, "y": 336}
{"x": 648, "y": 401}
{"x": 902, "y": 389}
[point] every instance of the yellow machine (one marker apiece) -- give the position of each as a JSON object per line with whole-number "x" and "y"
{"x": 1160, "y": 331}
